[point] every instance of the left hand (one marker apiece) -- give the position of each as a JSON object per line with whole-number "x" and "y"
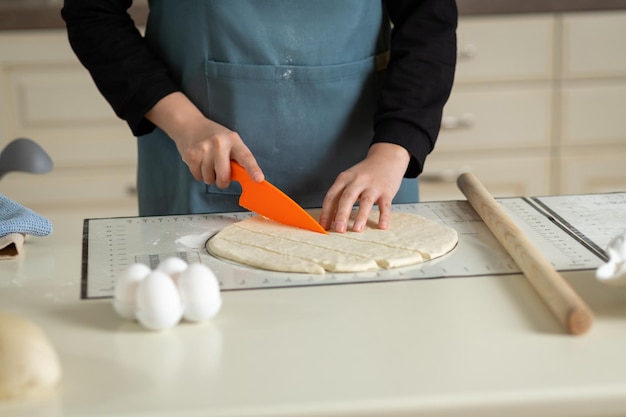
{"x": 375, "y": 180}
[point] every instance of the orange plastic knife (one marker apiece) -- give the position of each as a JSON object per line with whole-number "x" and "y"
{"x": 267, "y": 200}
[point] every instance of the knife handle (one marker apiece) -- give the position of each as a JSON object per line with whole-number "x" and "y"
{"x": 239, "y": 174}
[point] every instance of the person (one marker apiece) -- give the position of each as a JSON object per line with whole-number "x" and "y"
{"x": 336, "y": 102}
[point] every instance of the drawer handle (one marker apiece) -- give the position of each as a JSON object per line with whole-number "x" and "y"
{"x": 466, "y": 120}
{"x": 466, "y": 51}
{"x": 443, "y": 176}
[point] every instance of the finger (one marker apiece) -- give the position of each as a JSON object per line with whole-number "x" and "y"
{"x": 366, "y": 202}
{"x": 331, "y": 200}
{"x": 222, "y": 170}
{"x": 196, "y": 171}
{"x": 252, "y": 167}
{"x": 384, "y": 206}
{"x": 208, "y": 172}
{"x": 242, "y": 154}
{"x": 329, "y": 208}
{"x": 347, "y": 200}
{"x": 193, "y": 163}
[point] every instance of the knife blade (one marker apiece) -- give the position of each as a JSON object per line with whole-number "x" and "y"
{"x": 267, "y": 200}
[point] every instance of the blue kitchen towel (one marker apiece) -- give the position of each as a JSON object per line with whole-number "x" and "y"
{"x": 15, "y": 218}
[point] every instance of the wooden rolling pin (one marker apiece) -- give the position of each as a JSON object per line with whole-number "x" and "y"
{"x": 566, "y": 305}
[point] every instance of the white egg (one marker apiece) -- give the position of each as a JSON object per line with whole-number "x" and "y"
{"x": 200, "y": 292}
{"x": 173, "y": 267}
{"x": 125, "y": 288}
{"x": 158, "y": 303}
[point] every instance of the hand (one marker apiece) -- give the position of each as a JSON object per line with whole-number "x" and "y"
{"x": 375, "y": 180}
{"x": 204, "y": 145}
{"x": 208, "y": 150}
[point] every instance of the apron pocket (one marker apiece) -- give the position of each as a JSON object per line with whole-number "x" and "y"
{"x": 304, "y": 124}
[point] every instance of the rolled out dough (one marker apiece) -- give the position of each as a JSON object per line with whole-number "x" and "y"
{"x": 265, "y": 244}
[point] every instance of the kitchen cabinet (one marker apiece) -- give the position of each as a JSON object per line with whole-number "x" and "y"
{"x": 46, "y": 95}
{"x": 592, "y": 92}
{"x": 537, "y": 106}
{"x": 504, "y": 91}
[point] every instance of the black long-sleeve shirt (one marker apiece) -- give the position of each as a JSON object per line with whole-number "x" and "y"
{"x": 419, "y": 76}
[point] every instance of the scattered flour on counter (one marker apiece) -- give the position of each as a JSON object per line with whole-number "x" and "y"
{"x": 195, "y": 241}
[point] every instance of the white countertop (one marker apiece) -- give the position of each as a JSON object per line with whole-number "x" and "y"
{"x": 484, "y": 346}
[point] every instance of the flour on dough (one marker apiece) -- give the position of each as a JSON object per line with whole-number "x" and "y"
{"x": 265, "y": 244}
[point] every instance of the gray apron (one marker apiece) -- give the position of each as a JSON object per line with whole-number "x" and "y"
{"x": 297, "y": 80}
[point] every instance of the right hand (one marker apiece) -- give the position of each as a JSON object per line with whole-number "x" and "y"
{"x": 205, "y": 146}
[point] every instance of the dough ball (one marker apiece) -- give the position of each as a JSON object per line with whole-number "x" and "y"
{"x": 29, "y": 365}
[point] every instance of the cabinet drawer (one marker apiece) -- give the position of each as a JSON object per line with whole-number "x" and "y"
{"x": 57, "y": 94}
{"x": 490, "y": 117}
{"x": 593, "y": 44}
{"x": 593, "y": 113}
{"x": 60, "y": 108}
{"x": 503, "y": 176}
{"x": 507, "y": 48}
{"x": 587, "y": 172}
{"x": 18, "y": 47}
{"x": 72, "y": 187}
